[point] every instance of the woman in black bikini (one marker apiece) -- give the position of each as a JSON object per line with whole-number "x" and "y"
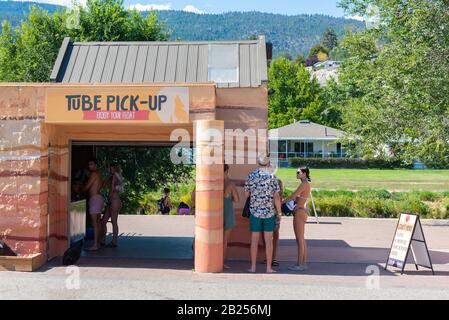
{"x": 300, "y": 213}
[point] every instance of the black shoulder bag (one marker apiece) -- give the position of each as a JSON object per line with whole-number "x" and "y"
{"x": 245, "y": 212}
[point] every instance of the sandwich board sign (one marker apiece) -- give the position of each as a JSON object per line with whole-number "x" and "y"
{"x": 409, "y": 241}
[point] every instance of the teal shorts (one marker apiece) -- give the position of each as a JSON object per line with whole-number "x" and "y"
{"x": 262, "y": 224}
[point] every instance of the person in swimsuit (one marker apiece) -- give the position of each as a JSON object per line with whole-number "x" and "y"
{"x": 300, "y": 214}
{"x": 115, "y": 182}
{"x": 96, "y": 202}
{"x": 230, "y": 196}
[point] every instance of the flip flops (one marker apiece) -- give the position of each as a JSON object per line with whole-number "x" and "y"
{"x": 274, "y": 263}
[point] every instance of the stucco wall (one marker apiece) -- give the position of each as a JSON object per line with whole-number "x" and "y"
{"x": 25, "y": 142}
{"x": 23, "y": 169}
{"x": 244, "y": 109}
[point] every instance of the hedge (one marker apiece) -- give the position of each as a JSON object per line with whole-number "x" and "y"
{"x": 371, "y": 203}
{"x": 348, "y": 163}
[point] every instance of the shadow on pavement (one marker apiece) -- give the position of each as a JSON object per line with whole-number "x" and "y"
{"x": 327, "y": 257}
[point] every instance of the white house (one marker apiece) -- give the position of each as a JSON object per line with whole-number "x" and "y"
{"x": 305, "y": 139}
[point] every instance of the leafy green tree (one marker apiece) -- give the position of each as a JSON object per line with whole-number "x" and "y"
{"x": 330, "y": 39}
{"x": 28, "y": 52}
{"x": 8, "y": 52}
{"x": 396, "y": 81}
{"x": 144, "y": 169}
{"x": 296, "y": 93}
{"x": 316, "y": 49}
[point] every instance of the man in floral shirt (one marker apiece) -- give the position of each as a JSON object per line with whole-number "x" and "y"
{"x": 265, "y": 207}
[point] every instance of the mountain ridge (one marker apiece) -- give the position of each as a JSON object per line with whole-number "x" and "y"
{"x": 288, "y": 33}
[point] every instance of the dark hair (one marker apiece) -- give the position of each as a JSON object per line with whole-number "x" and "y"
{"x": 226, "y": 167}
{"x": 166, "y": 190}
{"x": 306, "y": 171}
{"x": 94, "y": 160}
{"x": 114, "y": 164}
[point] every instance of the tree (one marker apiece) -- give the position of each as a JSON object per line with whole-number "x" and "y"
{"x": 28, "y": 52}
{"x": 316, "y": 49}
{"x": 396, "y": 80}
{"x": 8, "y": 52}
{"x": 316, "y": 54}
{"x": 295, "y": 92}
{"x": 329, "y": 39}
{"x": 144, "y": 169}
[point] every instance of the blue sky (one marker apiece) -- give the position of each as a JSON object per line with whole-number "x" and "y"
{"x": 290, "y": 7}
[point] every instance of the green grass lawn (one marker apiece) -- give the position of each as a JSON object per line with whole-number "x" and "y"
{"x": 355, "y": 179}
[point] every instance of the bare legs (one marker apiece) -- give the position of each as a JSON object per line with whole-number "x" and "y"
{"x": 116, "y": 205}
{"x": 268, "y": 250}
{"x": 112, "y": 212}
{"x": 104, "y": 227}
{"x": 275, "y": 243}
{"x": 299, "y": 222}
{"x": 96, "y": 224}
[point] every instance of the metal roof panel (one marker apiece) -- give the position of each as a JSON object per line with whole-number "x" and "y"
{"x": 150, "y": 62}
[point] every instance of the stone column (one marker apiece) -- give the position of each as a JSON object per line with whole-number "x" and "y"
{"x": 209, "y": 136}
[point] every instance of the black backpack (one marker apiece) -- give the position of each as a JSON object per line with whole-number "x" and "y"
{"x": 72, "y": 254}
{"x": 162, "y": 207}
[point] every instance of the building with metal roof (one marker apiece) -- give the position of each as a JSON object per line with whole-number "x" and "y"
{"x": 305, "y": 139}
{"x": 130, "y": 94}
{"x": 227, "y": 63}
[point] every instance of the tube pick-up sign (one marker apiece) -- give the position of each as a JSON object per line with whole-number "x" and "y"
{"x": 117, "y": 104}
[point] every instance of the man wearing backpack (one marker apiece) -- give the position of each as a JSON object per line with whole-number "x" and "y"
{"x": 165, "y": 202}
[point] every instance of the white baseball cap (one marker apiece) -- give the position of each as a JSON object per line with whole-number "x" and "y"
{"x": 263, "y": 159}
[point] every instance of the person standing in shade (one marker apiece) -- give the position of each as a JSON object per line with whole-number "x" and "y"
{"x": 300, "y": 215}
{"x": 265, "y": 207}
{"x": 115, "y": 182}
{"x": 230, "y": 196}
{"x": 96, "y": 202}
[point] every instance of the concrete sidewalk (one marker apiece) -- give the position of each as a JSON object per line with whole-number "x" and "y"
{"x": 347, "y": 257}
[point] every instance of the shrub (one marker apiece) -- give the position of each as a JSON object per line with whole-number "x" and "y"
{"x": 372, "y": 203}
{"x": 347, "y": 163}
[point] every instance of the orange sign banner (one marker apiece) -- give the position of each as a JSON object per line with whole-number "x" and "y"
{"x": 113, "y": 104}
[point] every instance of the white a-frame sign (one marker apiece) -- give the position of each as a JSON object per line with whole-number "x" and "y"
{"x": 409, "y": 240}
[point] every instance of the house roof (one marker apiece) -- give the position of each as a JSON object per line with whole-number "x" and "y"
{"x": 305, "y": 130}
{"x": 155, "y": 62}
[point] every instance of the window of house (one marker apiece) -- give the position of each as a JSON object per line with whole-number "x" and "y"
{"x": 223, "y": 66}
{"x": 309, "y": 147}
{"x": 282, "y": 145}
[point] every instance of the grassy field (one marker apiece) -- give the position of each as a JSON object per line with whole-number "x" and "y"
{"x": 353, "y": 179}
